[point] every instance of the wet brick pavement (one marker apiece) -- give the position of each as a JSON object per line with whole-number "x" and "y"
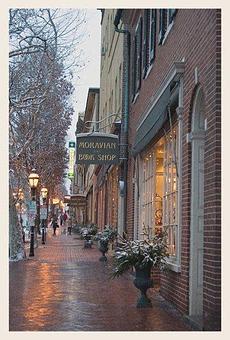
{"x": 66, "y": 288}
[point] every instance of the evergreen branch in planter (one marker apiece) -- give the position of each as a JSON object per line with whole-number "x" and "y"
{"x": 140, "y": 254}
{"x": 143, "y": 255}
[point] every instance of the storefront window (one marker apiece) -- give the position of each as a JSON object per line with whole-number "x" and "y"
{"x": 159, "y": 190}
{"x": 148, "y": 194}
{"x": 170, "y": 216}
{"x": 112, "y": 187}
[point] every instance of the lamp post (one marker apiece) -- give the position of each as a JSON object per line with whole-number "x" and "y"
{"x": 33, "y": 182}
{"x": 44, "y": 192}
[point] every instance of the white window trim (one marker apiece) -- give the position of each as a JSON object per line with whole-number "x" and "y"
{"x": 174, "y": 263}
{"x": 136, "y": 29}
{"x": 174, "y": 267}
{"x": 167, "y": 32}
{"x": 152, "y": 57}
{"x": 148, "y": 70}
{"x": 150, "y": 60}
{"x": 169, "y": 27}
{"x": 135, "y": 98}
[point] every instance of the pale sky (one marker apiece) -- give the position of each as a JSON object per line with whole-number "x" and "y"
{"x": 90, "y": 75}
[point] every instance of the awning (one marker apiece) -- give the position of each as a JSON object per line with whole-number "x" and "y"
{"x": 156, "y": 114}
{"x": 152, "y": 123}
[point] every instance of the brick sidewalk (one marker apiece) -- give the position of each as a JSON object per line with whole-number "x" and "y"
{"x": 66, "y": 288}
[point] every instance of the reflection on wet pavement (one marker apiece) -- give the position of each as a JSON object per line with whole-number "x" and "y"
{"x": 66, "y": 288}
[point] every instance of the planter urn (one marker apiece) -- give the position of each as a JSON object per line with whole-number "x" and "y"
{"x": 103, "y": 247}
{"x": 143, "y": 282}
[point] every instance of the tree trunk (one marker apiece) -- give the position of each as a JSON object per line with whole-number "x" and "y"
{"x": 16, "y": 245}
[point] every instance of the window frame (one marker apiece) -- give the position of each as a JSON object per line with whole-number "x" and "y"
{"x": 137, "y": 59}
{"x": 173, "y": 261}
{"x": 166, "y": 22}
{"x": 149, "y": 39}
{"x": 152, "y": 35}
{"x": 145, "y": 58}
{"x": 171, "y": 165}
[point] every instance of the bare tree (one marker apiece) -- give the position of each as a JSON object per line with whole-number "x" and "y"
{"x": 41, "y": 59}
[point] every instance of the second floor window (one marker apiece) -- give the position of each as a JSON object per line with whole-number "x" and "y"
{"x": 137, "y": 59}
{"x": 149, "y": 38}
{"x": 165, "y": 21}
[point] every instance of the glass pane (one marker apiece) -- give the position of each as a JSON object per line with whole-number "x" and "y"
{"x": 174, "y": 215}
{"x": 169, "y": 187}
{"x": 173, "y": 241}
{"x": 174, "y": 179}
{"x": 170, "y": 209}
{"x": 166, "y": 215}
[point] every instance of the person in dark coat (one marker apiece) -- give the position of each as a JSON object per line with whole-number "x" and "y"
{"x": 54, "y": 225}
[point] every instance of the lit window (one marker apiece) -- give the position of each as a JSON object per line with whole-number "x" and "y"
{"x": 159, "y": 191}
{"x": 170, "y": 197}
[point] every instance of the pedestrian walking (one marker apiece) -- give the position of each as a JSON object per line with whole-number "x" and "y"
{"x": 70, "y": 226}
{"x": 65, "y": 217}
{"x": 54, "y": 225}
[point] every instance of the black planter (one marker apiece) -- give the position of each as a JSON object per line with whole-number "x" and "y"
{"x": 88, "y": 241}
{"x": 103, "y": 247}
{"x": 143, "y": 282}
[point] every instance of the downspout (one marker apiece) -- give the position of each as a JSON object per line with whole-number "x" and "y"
{"x": 125, "y": 118}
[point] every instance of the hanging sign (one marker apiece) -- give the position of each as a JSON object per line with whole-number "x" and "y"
{"x": 31, "y": 220}
{"x": 71, "y": 159}
{"x": 43, "y": 212}
{"x": 32, "y": 212}
{"x": 32, "y": 207}
{"x": 97, "y": 148}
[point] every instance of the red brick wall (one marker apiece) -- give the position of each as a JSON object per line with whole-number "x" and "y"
{"x": 195, "y": 36}
{"x": 212, "y": 232}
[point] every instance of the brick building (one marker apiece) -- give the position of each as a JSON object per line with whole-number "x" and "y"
{"x": 109, "y": 202}
{"x": 84, "y": 198}
{"x": 173, "y": 58}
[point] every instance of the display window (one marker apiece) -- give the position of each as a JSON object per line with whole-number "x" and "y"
{"x": 159, "y": 190}
{"x": 112, "y": 187}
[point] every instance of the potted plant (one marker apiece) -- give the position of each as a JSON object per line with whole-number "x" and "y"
{"x": 87, "y": 233}
{"x": 142, "y": 255}
{"x": 92, "y": 229}
{"x": 104, "y": 238}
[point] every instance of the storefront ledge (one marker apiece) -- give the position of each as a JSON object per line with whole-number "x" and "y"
{"x": 174, "y": 267}
{"x": 195, "y": 323}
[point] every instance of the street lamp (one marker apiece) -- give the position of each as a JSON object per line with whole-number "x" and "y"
{"x": 33, "y": 182}
{"x": 44, "y": 192}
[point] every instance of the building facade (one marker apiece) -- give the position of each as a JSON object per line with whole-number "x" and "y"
{"x": 85, "y": 200}
{"x": 174, "y": 148}
{"x": 110, "y": 112}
